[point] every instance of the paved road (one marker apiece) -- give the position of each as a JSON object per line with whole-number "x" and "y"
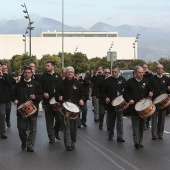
{"x": 93, "y": 150}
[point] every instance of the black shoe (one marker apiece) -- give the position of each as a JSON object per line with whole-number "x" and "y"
{"x": 73, "y": 146}
{"x": 96, "y": 120}
{"x": 23, "y": 145}
{"x": 57, "y": 136}
{"x": 140, "y": 145}
{"x": 120, "y": 140}
{"x": 3, "y": 136}
{"x": 144, "y": 128}
{"x": 110, "y": 137}
{"x": 136, "y": 146}
{"x": 160, "y": 137}
{"x": 51, "y": 140}
{"x": 68, "y": 148}
{"x": 84, "y": 124}
{"x": 8, "y": 124}
{"x": 101, "y": 127}
{"x": 154, "y": 138}
{"x": 79, "y": 126}
{"x": 29, "y": 149}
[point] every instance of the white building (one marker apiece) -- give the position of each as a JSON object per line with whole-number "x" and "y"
{"x": 93, "y": 44}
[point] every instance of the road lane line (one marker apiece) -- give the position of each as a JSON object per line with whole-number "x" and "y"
{"x": 94, "y": 147}
{"x": 88, "y": 139}
{"x": 166, "y": 131}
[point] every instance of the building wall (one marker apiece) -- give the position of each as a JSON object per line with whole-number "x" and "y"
{"x": 11, "y": 45}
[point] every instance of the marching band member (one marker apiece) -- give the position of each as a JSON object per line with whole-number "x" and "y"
{"x": 136, "y": 89}
{"x": 49, "y": 82}
{"x": 160, "y": 84}
{"x": 70, "y": 90}
{"x": 5, "y": 93}
{"x": 114, "y": 86}
{"x": 27, "y": 89}
{"x": 8, "y": 103}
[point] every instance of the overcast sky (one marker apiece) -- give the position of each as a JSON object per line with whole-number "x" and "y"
{"x": 85, "y": 13}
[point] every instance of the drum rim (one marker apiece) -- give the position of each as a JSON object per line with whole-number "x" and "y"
{"x": 73, "y": 104}
{"x": 166, "y": 95}
{"x": 115, "y": 99}
{"x": 141, "y": 101}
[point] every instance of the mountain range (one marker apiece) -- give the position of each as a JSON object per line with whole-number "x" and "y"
{"x": 153, "y": 43}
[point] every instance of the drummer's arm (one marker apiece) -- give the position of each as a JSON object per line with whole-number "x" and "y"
{"x": 39, "y": 93}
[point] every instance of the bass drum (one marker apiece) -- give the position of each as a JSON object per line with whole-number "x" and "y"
{"x": 145, "y": 108}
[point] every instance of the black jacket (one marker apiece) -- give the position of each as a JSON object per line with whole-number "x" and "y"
{"x": 112, "y": 87}
{"x": 159, "y": 85}
{"x": 71, "y": 90}
{"x": 5, "y": 88}
{"x": 49, "y": 84}
{"x": 23, "y": 90}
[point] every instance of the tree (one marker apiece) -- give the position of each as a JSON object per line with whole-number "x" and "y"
{"x": 49, "y": 57}
{"x": 94, "y": 62}
{"x": 67, "y": 58}
{"x": 26, "y": 60}
{"x": 135, "y": 63}
{"x": 16, "y": 63}
{"x": 80, "y": 62}
{"x": 152, "y": 65}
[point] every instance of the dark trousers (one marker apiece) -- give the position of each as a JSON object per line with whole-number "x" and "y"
{"x": 84, "y": 114}
{"x": 8, "y": 111}
{"x": 158, "y": 122}
{"x": 117, "y": 117}
{"x": 2, "y": 117}
{"x": 29, "y": 123}
{"x": 50, "y": 117}
{"x": 102, "y": 112}
{"x": 137, "y": 126}
{"x": 70, "y": 132}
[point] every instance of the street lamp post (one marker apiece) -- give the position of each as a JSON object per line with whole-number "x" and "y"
{"x": 134, "y": 45}
{"x": 76, "y": 49}
{"x": 25, "y": 41}
{"x": 29, "y": 24}
{"x": 62, "y": 34}
{"x": 111, "y": 65}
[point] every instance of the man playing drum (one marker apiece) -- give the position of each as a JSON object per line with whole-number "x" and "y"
{"x": 113, "y": 86}
{"x": 49, "y": 82}
{"x": 70, "y": 90}
{"x": 160, "y": 84}
{"x": 25, "y": 91}
{"x": 136, "y": 89}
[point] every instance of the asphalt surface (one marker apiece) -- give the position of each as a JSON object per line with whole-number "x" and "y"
{"x": 93, "y": 150}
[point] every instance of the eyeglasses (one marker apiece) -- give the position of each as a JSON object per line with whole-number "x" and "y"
{"x": 107, "y": 72}
{"x": 145, "y": 67}
{"x": 159, "y": 68}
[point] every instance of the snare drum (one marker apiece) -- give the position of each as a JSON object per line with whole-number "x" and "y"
{"x": 70, "y": 110}
{"x": 162, "y": 101}
{"x": 119, "y": 104}
{"x": 56, "y": 106}
{"x": 27, "y": 109}
{"x": 145, "y": 108}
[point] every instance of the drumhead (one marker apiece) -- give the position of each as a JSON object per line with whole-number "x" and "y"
{"x": 71, "y": 107}
{"x": 143, "y": 104}
{"x": 117, "y": 101}
{"x": 160, "y": 98}
{"x": 52, "y": 100}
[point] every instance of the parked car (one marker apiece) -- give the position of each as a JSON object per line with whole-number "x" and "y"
{"x": 127, "y": 74}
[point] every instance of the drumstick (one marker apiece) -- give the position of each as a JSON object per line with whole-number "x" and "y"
{"x": 67, "y": 104}
{"x": 145, "y": 100}
{"x": 164, "y": 90}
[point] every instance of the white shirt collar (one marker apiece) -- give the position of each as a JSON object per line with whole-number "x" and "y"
{"x": 159, "y": 76}
{"x": 51, "y": 73}
{"x": 138, "y": 80}
{"x": 27, "y": 80}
